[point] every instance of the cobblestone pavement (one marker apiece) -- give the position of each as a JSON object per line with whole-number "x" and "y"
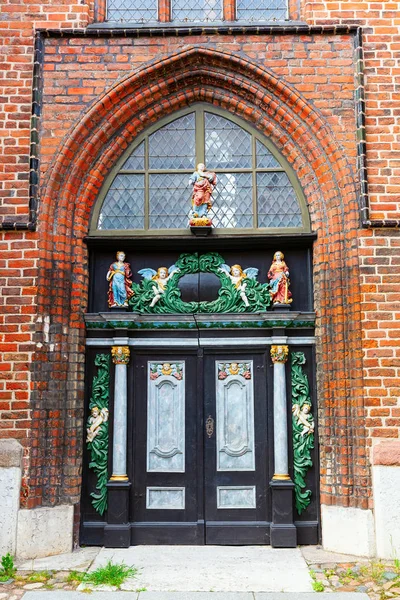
{"x": 377, "y": 579}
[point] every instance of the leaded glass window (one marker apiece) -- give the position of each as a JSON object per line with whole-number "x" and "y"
{"x": 261, "y": 10}
{"x": 136, "y": 11}
{"x": 149, "y": 190}
{"x": 196, "y": 10}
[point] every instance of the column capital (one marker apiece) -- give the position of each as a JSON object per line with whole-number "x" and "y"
{"x": 279, "y": 354}
{"x": 120, "y": 355}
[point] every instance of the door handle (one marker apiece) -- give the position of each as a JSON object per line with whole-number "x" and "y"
{"x": 210, "y": 426}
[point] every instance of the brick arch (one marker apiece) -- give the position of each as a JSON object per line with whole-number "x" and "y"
{"x": 71, "y": 188}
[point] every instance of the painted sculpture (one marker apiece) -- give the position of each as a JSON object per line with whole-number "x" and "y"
{"x": 203, "y": 183}
{"x": 97, "y": 431}
{"x": 97, "y": 418}
{"x": 278, "y": 275}
{"x": 160, "y": 279}
{"x": 226, "y": 369}
{"x": 159, "y": 292}
{"x": 119, "y": 277}
{"x": 303, "y": 427}
{"x": 168, "y": 369}
{"x": 237, "y": 276}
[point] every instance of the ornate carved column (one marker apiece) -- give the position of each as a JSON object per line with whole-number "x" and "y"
{"x": 117, "y": 529}
{"x": 120, "y": 357}
{"x": 283, "y": 530}
{"x": 279, "y": 355}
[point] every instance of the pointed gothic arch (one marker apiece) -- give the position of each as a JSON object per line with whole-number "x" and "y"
{"x": 303, "y": 137}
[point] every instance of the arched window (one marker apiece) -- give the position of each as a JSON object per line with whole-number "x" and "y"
{"x": 148, "y": 192}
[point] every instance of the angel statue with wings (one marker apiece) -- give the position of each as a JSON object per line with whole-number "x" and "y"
{"x": 160, "y": 279}
{"x": 237, "y": 275}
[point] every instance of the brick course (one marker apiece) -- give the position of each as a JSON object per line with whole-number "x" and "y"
{"x": 298, "y": 89}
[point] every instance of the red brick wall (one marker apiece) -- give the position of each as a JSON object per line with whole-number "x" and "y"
{"x": 77, "y": 71}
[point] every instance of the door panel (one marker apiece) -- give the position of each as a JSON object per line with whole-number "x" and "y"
{"x": 166, "y": 488}
{"x": 235, "y": 467}
{"x": 166, "y": 417}
{"x": 235, "y": 416}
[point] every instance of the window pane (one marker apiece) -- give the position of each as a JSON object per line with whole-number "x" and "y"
{"x": 232, "y": 200}
{"x": 265, "y": 160}
{"x": 136, "y": 159}
{"x": 261, "y": 10}
{"x": 196, "y": 10}
{"x": 136, "y": 11}
{"x": 173, "y": 146}
{"x": 228, "y": 146}
{"x": 170, "y": 196}
{"x": 123, "y": 206}
{"x": 277, "y": 202}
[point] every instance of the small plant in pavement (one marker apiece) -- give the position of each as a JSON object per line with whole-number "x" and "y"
{"x": 8, "y": 569}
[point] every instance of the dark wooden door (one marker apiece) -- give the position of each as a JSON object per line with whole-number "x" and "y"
{"x": 235, "y": 442}
{"x": 200, "y": 449}
{"x": 167, "y": 478}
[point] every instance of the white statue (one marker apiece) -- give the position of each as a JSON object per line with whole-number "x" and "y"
{"x": 96, "y": 419}
{"x": 304, "y": 416}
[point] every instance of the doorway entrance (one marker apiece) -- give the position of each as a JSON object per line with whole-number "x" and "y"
{"x": 200, "y": 461}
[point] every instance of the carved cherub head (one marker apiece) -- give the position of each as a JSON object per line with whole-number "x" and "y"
{"x": 236, "y": 271}
{"x": 162, "y": 272}
{"x": 95, "y": 412}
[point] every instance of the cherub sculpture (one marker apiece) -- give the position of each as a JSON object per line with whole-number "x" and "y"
{"x": 160, "y": 279}
{"x": 95, "y": 421}
{"x": 304, "y": 418}
{"x": 237, "y": 275}
{"x": 203, "y": 183}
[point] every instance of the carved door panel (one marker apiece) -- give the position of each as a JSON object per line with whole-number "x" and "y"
{"x": 167, "y": 488}
{"x": 236, "y": 465}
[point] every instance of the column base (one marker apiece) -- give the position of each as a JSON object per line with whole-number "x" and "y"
{"x": 118, "y": 502}
{"x": 117, "y": 536}
{"x": 283, "y": 530}
{"x": 283, "y": 536}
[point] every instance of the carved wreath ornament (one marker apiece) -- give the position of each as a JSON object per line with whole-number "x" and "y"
{"x": 240, "y": 291}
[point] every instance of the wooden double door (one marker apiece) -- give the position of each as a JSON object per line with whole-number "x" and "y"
{"x": 201, "y": 447}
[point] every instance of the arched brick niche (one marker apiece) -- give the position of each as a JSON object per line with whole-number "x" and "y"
{"x": 72, "y": 185}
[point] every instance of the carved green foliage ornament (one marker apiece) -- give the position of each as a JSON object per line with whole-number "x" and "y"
{"x": 240, "y": 291}
{"x": 303, "y": 430}
{"x": 97, "y": 431}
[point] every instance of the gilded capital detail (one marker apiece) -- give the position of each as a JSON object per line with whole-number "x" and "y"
{"x": 279, "y": 354}
{"x": 120, "y": 355}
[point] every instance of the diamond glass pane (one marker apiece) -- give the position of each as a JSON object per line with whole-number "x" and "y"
{"x": 265, "y": 160}
{"x": 261, "y": 10}
{"x": 196, "y": 10}
{"x": 232, "y": 201}
{"x": 123, "y": 206}
{"x": 136, "y": 160}
{"x": 135, "y": 11}
{"x": 228, "y": 146}
{"x": 173, "y": 146}
{"x": 169, "y": 200}
{"x": 277, "y": 202}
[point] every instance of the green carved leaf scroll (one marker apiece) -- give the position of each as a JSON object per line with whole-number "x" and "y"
{"x": 98, "y": 446}
{"x": 228, "y": 300}
{"x": 302, "y": 430}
